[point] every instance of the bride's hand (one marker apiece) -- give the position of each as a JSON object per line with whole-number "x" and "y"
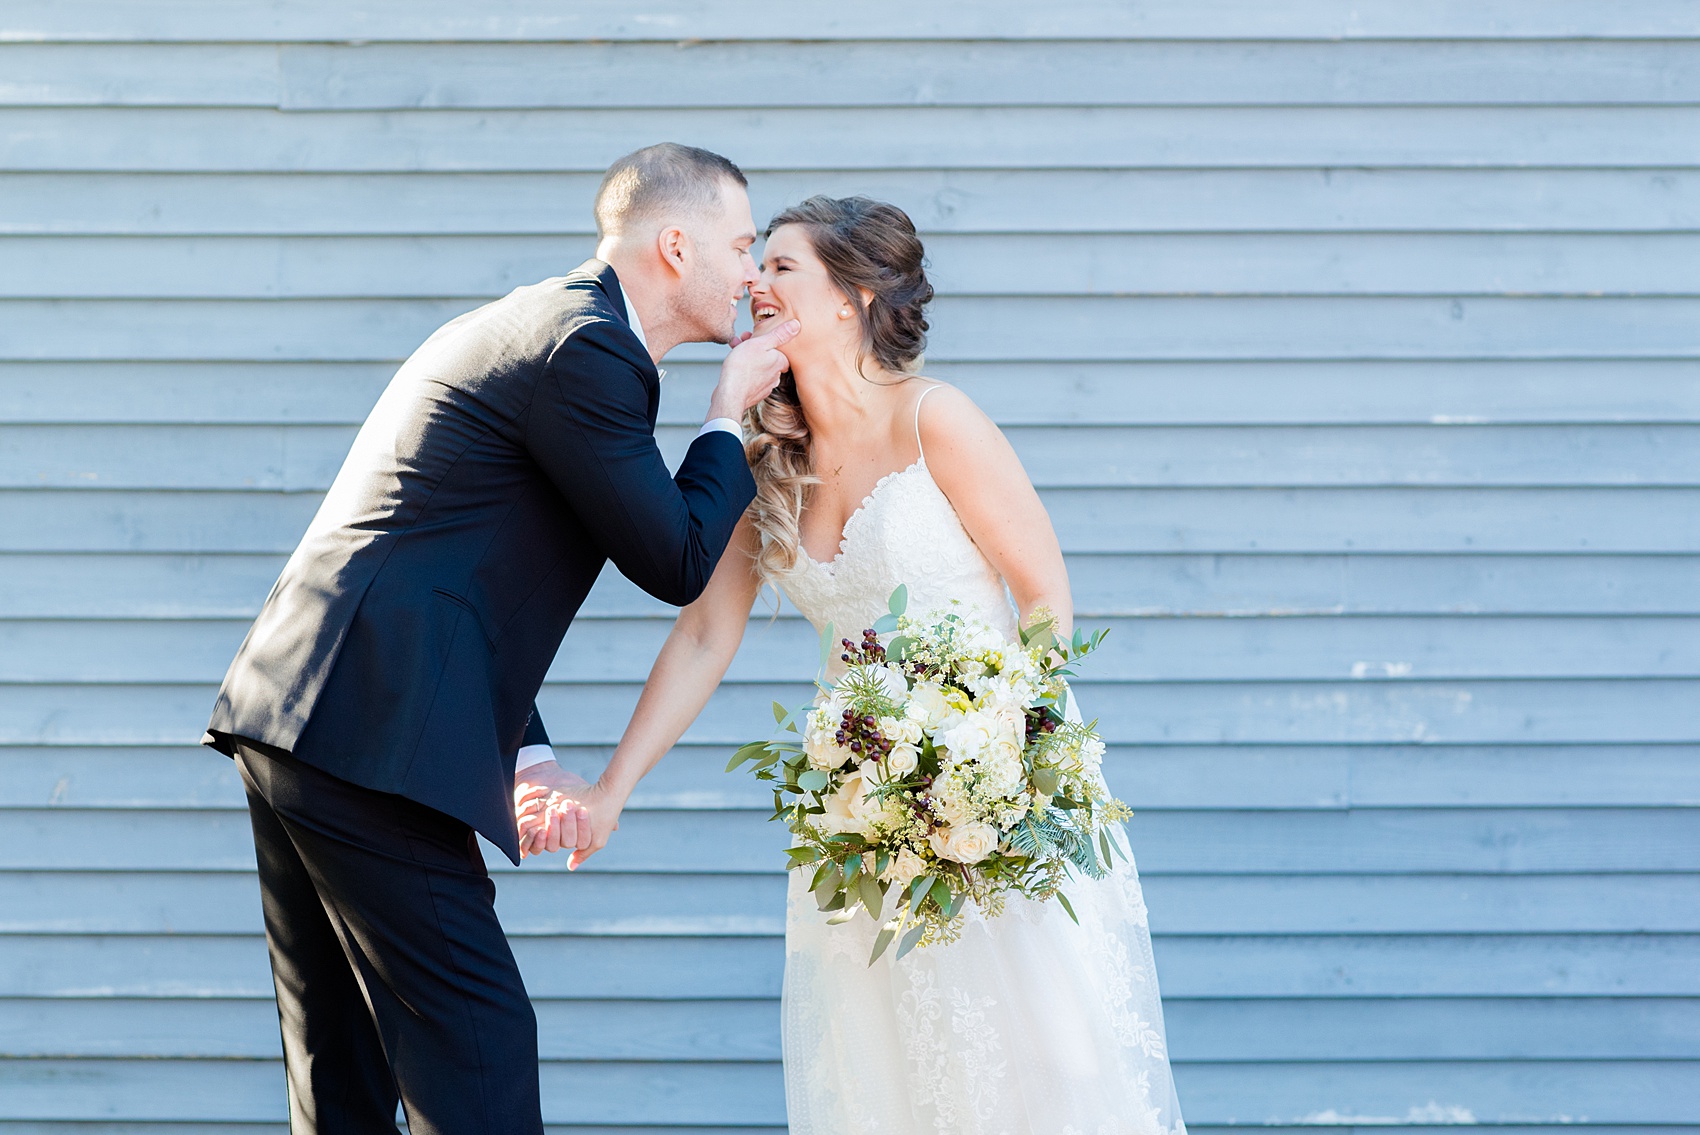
{"x": 556, "y": 810}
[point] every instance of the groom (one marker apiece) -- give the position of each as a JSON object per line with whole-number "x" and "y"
{"x": 376, "y": 708}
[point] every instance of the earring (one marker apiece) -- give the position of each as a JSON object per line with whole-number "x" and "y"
{"x": 844, "y": 313}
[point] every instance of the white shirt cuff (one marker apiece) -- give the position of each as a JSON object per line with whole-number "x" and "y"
{"x": 531, "y": 755}
{"x": 726, "y": 424}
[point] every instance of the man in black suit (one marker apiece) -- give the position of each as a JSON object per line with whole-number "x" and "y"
{"x": 378, "y": 704}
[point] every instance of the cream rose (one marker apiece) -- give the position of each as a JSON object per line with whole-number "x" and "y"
{"x": 902, "y": 760}
{"x": 848, "y": 809}
{"x": 964, "y": 843}
{"x": 905, "y": 867}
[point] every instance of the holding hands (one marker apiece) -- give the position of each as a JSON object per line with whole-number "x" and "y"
{"x": 557, "y": 810}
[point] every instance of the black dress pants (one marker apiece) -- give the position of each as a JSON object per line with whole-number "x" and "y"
{"x": 394, "y": 979}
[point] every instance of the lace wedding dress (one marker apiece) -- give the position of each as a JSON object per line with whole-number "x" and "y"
{"x": 1028, "y": 1024}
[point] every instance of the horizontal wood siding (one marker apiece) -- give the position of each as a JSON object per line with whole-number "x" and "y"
{"x": 1355, "y": 349}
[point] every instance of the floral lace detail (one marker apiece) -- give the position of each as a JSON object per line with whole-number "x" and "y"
{"x": 904, "y": 532}
{"x": 1026, "y": 1025}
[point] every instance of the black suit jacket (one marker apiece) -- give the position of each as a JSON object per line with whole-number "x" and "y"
{"x": 509, "y": 458}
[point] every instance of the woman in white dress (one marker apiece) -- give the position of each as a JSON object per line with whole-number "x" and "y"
{"x": 1028, "y": 1023}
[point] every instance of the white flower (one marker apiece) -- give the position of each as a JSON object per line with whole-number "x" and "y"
{"x": 927, "y": 700}
{"x": 902, "y": 760}
{"x": 820, "y": 740}
{"x": 964, "y": 843}
{"x": 948, "y": 804}
{"x": 903, "y": 868}
{"x": 848, "y": 809}
{"x": 970, "y": 737}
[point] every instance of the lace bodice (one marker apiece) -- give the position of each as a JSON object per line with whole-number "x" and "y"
{"x": 905, "y": 532}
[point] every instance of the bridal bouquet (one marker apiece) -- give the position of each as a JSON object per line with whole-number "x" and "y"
{"x": 941, "y": 767}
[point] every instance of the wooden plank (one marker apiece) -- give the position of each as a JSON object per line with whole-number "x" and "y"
{"x": 320, "y": 20}
{"x": 1088, "y": 328}
{"x": 1354, "y": 584}
{"x": 740, "y": 1092}
{"x": 1433, "y": 1093}
{"x": 248, "y": 1090}
{"x": 113, "y": 585}
{"x": 377, "y": 76}
{"x": 389, "y": 267}
{"x": 1419, "y": 904}
{"x": 1299, "y": 776}
{"x": 540, "y": 901}
{"x": 1250, "y": 392}
{"x": 691, "y": 1031}
{"x": 296, "y": 458}
{"x": 1298, "y": 1031}
{"x": 1087, "y": 521}
{"x": 154, "y": 74}
{"x": 209, "y": 140}
{"x": 1137, "y": 650}
{"x": 1647, "y": 711}
{"x": 1453, "y": 1029}
{"x": 92, "y": 965}
{"x": 1558, "y": 965}
{"x": 1224, "y": 966}
{"x": 939, "y": 200}
{"x": 1147, "y": 776}
{"x": 1379, "y": 841}
{"x": 986, "y": 72}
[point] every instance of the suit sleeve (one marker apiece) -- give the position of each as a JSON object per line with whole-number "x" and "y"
{"x": 589, "y": 429}
{"x": 535, "y": 734}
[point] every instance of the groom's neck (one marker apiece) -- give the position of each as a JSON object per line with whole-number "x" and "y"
{"x": 648, "y": 291}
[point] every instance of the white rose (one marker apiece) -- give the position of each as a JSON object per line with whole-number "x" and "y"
{"x": 823, "y": 750}
{"x": 964, "y": 843}
{"x": 928, "y": 700}
{"x": 905, "y": 867}
{"x": 902, "y": 760}
{"x": 848, "y": 809}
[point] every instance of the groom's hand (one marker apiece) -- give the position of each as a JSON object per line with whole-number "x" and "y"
{"x": 751, "y": 371}
{"x": 542, "y": 803}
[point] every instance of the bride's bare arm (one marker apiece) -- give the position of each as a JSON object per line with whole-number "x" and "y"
{"x": 974, "y": 464}
{"x": 691, "y": 663}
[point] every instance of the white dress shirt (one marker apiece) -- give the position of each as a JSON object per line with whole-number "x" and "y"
{"x": 531, "y": 755}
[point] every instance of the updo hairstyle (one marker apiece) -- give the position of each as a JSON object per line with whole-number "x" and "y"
{"x": 868, "y": 248}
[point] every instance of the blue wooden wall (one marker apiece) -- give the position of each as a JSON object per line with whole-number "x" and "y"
{"x": 1355, "y": 348}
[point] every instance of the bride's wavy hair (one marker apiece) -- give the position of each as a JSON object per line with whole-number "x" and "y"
{"x": 869, "y": 248}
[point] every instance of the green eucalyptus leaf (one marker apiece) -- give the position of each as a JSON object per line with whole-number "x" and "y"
{"x": 885, "y": 624}
{"x": 1104, "y": 842}
{"x": 1045, "y": 781}
{"x": 834, "y": 901}
{"x": 918, "y": 889}
{"x": 852, "y": 869}
{"x": 955, "y": 907}
{"x": 780, "y": 713}
{"x": 941, "y": 893}
{"x": 828, "y": 643}
{"x": 812, "y": 780}
{"x": 1068, "y": 907}
{"x": 898, "y": 649}
{"x": 872, "y": 897}
{"x": 881, "y": 943}
{"x": 910, "y": 939}
{"x": 899, "y": 600}
{"x": 842, "y": 916}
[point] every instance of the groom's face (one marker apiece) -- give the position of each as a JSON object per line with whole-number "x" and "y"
{"x": 723, "y": 268}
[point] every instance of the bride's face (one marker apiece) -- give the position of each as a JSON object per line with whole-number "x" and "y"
{"x": 795, "y": 285}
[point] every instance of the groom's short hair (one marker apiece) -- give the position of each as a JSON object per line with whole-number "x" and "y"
{"x": 666, "y": 177}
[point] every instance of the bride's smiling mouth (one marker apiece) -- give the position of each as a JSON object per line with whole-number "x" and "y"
{"x": 761, "y": 311}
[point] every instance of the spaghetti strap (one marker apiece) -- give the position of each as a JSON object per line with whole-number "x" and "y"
{"x": 918, "y": 401}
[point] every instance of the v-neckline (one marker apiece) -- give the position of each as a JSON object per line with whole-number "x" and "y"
{"x": 831, "y": 566}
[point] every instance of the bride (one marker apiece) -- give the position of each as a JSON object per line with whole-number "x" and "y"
{"x": 870, "y": 475}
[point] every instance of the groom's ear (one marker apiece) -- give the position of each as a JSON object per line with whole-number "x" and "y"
{"x": 674, "y": 247}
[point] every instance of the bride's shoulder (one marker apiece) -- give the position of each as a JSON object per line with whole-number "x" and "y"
{"x": 953, "y": 432}
{"x": 946, "y": 418}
